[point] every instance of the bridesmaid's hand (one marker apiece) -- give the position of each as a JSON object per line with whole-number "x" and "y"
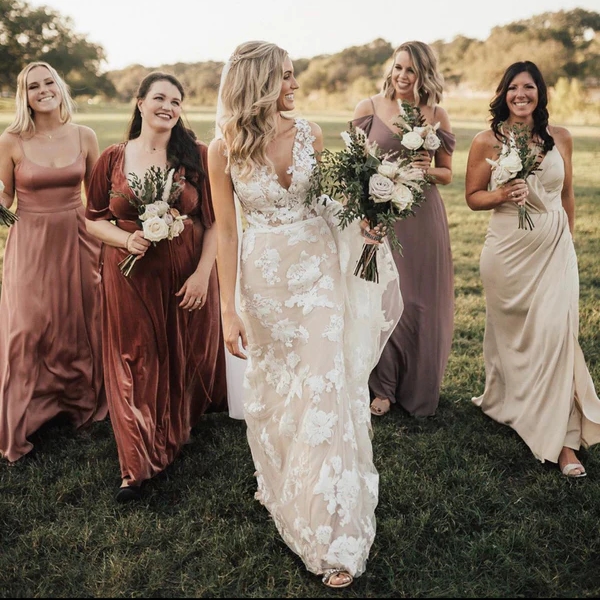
{"x": 136, "y": 243}
{"x": 421, "y": 160}
{"x": 516, "y": 191}
{"x": 233, "y": 331}
{"x": 194, "y": 291}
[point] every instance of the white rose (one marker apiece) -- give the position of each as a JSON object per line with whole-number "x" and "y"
{"x": 168, "y": 218}
{"x": 388, "y": 169}
{"x": 421, "y": 131}
{"x": 155, "y": 229}
{"x": 511, "y": 161}
{"x": 1, "y": 186}
{"x": 150, "y": 210}
{"x": 432, "y": 141}
{"x": 402, "y": 197}
{"x": 380, "y": 188}
{"x": 161, "y": 207}
{"x": 499, "y": 174}
{"x": 412, "y": 140}
{"x": 176, "y": 228}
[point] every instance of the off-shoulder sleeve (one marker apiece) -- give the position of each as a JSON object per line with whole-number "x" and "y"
{"x": 365, "y": 123}
{"x": 448, "y": 140}
{"x": 98, "y": 193}
{"x": 207, "y": 216}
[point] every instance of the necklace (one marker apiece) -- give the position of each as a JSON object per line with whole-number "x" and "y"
{"x": 50, "y": 135}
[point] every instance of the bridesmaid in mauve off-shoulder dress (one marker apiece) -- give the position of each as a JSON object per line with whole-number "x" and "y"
{"x": 411, "y": 368}
{"x": 50, "y": 352}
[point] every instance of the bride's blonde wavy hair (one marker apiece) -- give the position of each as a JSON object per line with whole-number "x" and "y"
{"x": 249, "y": 96}
{"x": 429, "y": 85}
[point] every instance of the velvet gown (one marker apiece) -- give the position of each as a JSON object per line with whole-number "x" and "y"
{"x": 164, "y": 366}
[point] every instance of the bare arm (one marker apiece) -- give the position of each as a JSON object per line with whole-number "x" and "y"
{"x": 227, "y": 245}
{"x": 564, "y": 142}
{"x": 441, "y": 172}
{"x": 7, "y": 169}
{"x": 478, "y": 176}
{"x": 92, "y": 151}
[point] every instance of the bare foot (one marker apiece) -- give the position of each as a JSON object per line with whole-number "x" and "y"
{"x": 380, "y": 406}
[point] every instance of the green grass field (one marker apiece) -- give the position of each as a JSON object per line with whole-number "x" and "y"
{"x": 465, "y": 510}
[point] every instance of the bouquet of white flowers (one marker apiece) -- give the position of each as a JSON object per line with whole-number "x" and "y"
{"x": 7, "y": 217}
{"x": 417, "y": 134}
{"x": 154, "y": 197}
{"x": 372, "y": 186}
{"x": 518, "y": 160}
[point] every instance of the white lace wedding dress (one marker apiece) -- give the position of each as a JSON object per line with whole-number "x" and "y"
{"x": 315, "y": 332}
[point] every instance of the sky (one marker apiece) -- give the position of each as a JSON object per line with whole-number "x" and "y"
{"x": 161, "y": 32}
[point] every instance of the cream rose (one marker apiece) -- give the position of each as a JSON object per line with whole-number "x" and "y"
{"x": 402, "y": 197}
{"x": 432, "y": 141}
{"x": 388, "y": 169}
{"x": 150, "y": 210}
{"x": 380, "y": 188}
{"x": 412, "y": 140}
{"x": 161, "y": 207}
{"x": 511, "y": 162}
{"x": 155, "y": 229}
{"x": 176, "y": 228}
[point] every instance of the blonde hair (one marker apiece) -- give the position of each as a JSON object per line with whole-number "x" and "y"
{"x": 23, "y": 121}
{"x": 429, "y": 85}
{"x": 249, "y": 95}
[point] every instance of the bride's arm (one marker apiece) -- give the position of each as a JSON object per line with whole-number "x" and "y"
{"x": 227, "y": 245}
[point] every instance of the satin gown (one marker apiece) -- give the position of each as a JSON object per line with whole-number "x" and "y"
{"x": 537, "y": 381}
{"x": 50, "y": 348}
{"x": 164, "y": 366}
{"x": 315, "y": 331}
{"x": 413, "y": 363}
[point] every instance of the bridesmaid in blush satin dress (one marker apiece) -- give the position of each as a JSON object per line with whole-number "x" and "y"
{"x": 50, "y": 353}
{"x": 410, "y": 371}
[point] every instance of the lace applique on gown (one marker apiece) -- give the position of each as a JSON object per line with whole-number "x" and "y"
{"x": 315, "y": 331}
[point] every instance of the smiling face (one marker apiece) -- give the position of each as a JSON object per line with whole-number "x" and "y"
{"x": 288, "y": 87}
{"x": 43, "y": 94}
{"x": 404, "y": 76}
{"x": 522, "y": 97}
{"x": 161, "y": 108}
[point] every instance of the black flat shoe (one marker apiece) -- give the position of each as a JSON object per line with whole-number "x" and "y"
{"x": 129, "y": 493}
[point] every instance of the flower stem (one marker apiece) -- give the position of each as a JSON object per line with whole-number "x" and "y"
{"x": 127, "y": 264}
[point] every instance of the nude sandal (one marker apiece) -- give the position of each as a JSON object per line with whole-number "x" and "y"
{"x": 380, "y": 406}
{"x": 329, "y": 575}
{"x": 567, "y": 469}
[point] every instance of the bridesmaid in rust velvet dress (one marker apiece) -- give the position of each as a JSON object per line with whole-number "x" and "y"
{"x": 412, "y": 365}
{"x": 50, "y": 354}
{"x": 163, "y": 347}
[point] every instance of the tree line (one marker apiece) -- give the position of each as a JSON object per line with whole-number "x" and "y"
{"x": 565, "y": 45}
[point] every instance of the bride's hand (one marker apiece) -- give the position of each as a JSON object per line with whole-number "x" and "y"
{"x": 233, "y": 331}
{"x": 372, "y": 236}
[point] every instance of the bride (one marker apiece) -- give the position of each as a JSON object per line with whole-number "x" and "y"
{"x": 311, "y": 331}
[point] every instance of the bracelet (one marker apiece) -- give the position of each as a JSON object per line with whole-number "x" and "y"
{"x": 370, "y": 236}
{"x": 127, "y": 241}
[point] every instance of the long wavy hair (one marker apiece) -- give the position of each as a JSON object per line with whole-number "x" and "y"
{"x": 24, "y": 121}
{"x": 182, "y": 149}
{"x": 499, "y": 108}
{"x": 249, "y": 96}
{"x": 429, "y": 85}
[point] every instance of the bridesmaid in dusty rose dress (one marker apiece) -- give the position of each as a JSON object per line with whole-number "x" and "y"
{"x": 163, "y": 348}
{"x": 50, "y": 355}
{"x": 412, "y": 365}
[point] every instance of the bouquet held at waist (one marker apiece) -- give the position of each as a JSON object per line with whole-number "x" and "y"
{"x": 518, "y": 160}
{"x": 373, "y": 186}
{"x": 154, "y": 197}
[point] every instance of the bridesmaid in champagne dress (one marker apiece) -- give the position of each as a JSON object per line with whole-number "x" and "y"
{"x": 50, "y": 353}
{"x": 410, "y": 371}
{"x": 163, "y": 346}
{"x": 537, "y": 381}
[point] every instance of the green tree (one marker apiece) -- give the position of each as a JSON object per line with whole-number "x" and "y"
{"x": 30, "y": 34}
